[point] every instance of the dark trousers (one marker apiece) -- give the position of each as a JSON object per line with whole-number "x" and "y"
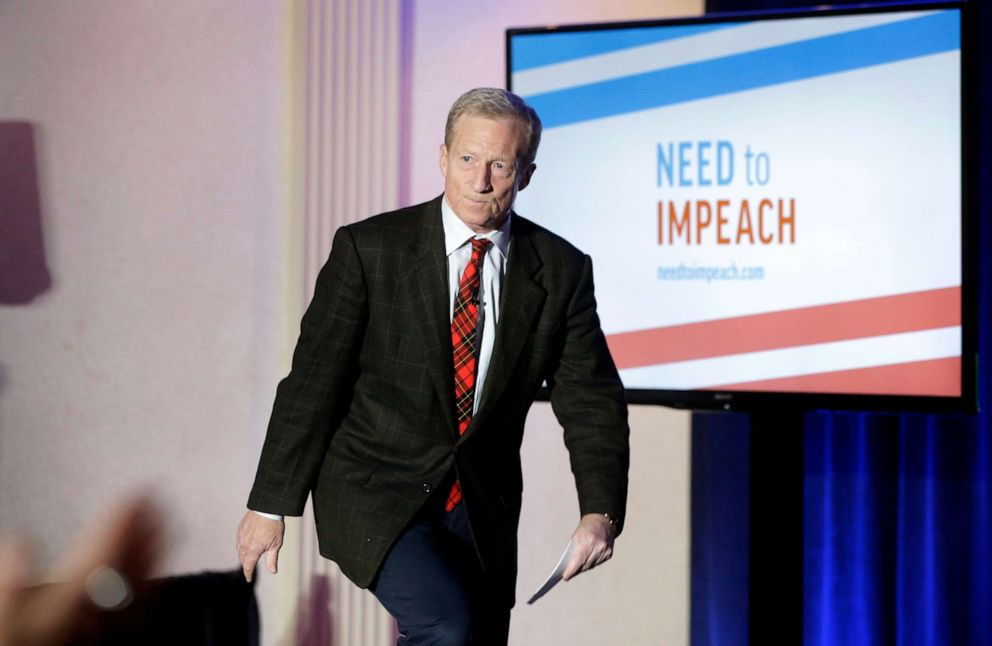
{"x": 433, "y": 584}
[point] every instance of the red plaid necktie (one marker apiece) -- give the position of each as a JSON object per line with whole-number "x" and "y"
{"x": 463, "y": 344}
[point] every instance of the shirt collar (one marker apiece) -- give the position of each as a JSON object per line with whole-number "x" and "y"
{"x": 457, "y": 233}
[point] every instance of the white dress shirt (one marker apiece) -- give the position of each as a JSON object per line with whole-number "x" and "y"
{"x": 458, "y": 250}
{"x": 457, "y": 247}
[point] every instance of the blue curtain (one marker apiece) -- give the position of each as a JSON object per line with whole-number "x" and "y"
{"x": 897, "y": 509}
{"x": 897, "y": 530}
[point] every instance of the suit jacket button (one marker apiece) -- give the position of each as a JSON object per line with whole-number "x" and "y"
{"x": 427, "y": 487}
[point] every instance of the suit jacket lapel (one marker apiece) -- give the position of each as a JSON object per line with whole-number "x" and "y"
{"x": 430, "y": 305}
{"x": 522, "y": 299}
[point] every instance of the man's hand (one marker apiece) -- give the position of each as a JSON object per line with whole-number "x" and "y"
{"x": 259, "y": 535}
{"x": 593, "y": 540}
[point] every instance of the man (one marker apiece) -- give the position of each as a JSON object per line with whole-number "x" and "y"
{"x": 431, "y": 330}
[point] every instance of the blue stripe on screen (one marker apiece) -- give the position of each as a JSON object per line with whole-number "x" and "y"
{"x": 887, "y": 43}
{"x": 534, "y": 50}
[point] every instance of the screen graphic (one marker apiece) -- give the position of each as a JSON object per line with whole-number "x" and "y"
{"x": 771, "y": 205}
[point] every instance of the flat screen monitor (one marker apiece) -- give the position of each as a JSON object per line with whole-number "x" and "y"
{"x": 775, "y": 204}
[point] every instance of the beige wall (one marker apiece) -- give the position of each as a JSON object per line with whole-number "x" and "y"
{"x": 152, "y": 359}
{"x": 170, "y": 207}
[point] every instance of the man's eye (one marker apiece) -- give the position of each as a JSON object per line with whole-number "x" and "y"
{"x": 466, "y": 158}
{"x": 503, "y": 169}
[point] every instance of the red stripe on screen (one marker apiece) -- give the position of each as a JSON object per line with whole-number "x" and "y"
{"x": 934, "y": 378}
{"x": 859, "y": 319}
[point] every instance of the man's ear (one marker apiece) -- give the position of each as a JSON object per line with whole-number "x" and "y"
{"x": 443, "y": 161}
{"x": 525, "y": 176}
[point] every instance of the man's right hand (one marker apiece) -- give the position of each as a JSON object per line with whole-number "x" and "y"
{"x": 259, "y": 535}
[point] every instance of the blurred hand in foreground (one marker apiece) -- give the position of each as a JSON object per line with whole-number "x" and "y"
{"x": 96, "y": 574}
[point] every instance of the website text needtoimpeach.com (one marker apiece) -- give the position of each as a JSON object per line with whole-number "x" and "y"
{"x": 709, "y": 273}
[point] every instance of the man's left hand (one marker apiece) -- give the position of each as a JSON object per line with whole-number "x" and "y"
{"x": 593, "y": 540}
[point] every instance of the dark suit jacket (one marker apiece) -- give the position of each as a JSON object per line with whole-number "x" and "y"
{"x": 365, "y": 421}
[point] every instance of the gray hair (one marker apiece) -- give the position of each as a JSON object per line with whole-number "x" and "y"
{"x": 494, "y": 103}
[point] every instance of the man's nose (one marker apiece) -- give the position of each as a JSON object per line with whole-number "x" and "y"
{"x": 481, "y": 181}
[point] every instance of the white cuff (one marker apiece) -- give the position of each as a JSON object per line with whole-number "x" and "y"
{"x": 269, "y": 516}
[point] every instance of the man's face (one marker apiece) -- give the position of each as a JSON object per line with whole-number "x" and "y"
{"x": 481, "y": 170}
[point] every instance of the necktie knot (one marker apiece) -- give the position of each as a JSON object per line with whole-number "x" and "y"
{"x": 479, "y": 246}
